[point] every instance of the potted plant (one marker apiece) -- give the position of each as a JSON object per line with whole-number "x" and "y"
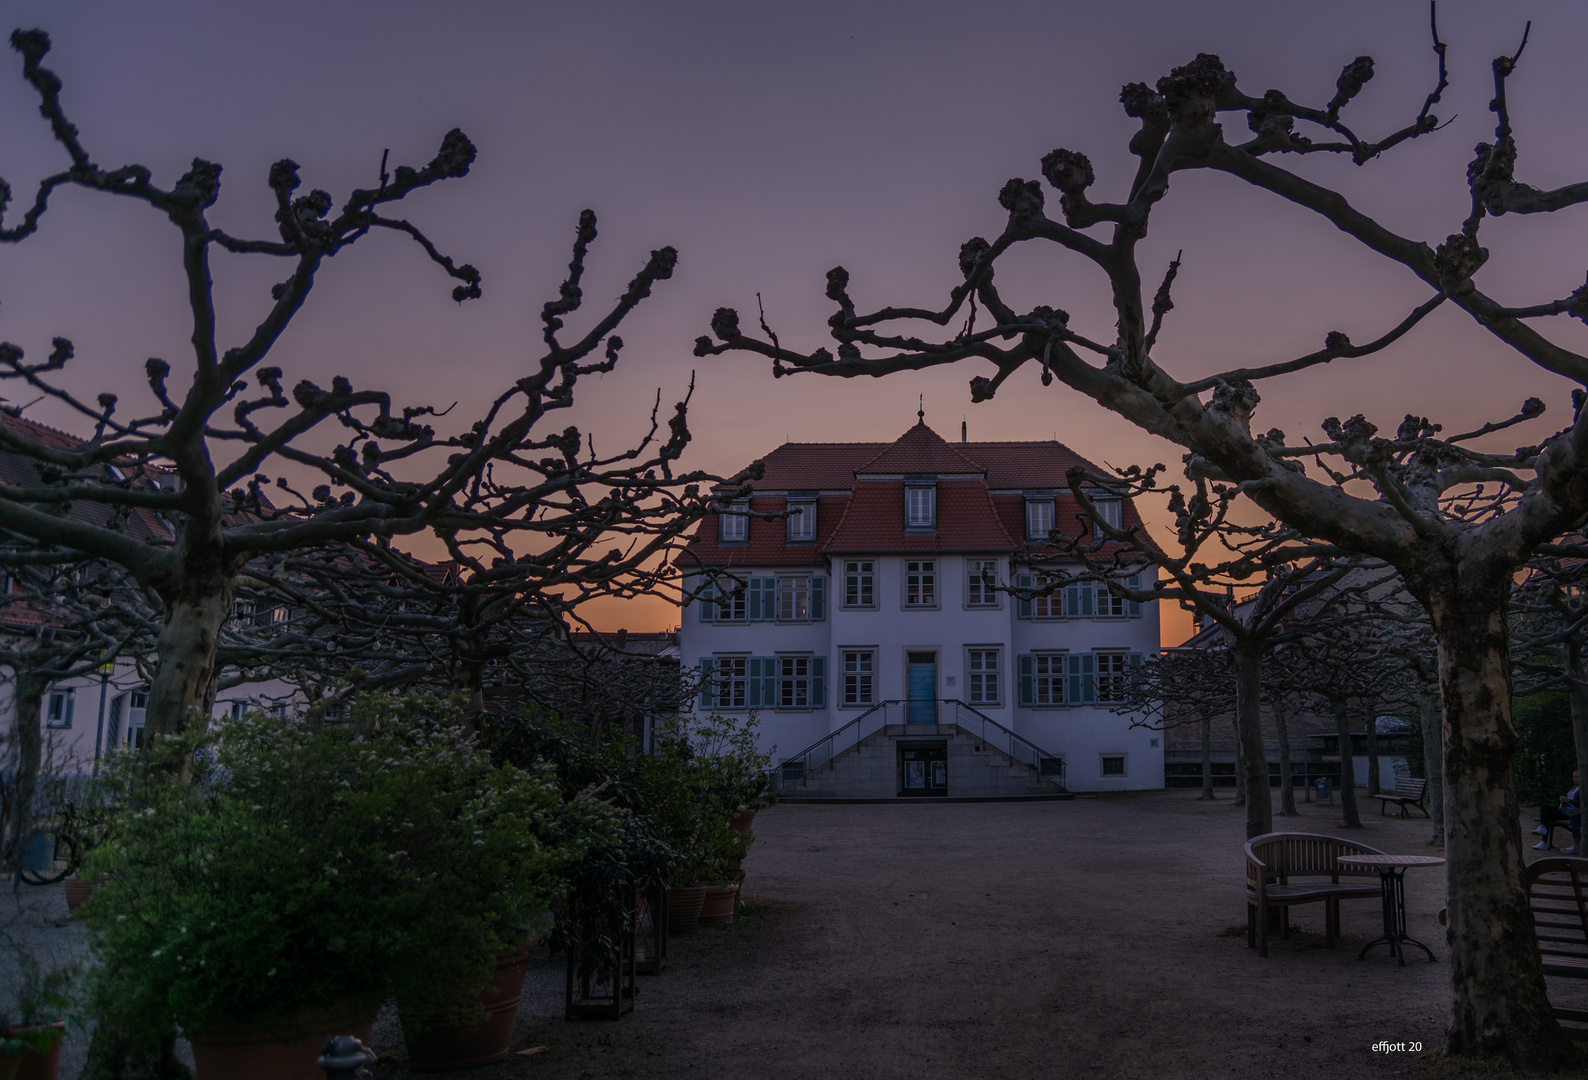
{"x": 31, "y": 1033}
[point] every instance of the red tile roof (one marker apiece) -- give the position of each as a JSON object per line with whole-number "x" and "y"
{"x": 921, "y": 450}
{"x": 966, "y": 520}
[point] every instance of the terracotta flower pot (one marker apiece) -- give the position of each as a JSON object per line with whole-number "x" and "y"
{"x": 436, "y": 1046}
{"x": 78, "y": 891}
{"x": 717, "y": 909}
{"x": 30, "y": 1064}
{"x": 741, "y": 820}
{"x": 260, "y": 1049}
{"x": 683, "y": 909}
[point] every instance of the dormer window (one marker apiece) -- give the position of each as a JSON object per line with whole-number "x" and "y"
{"x": 1108, "y": 513}
{"x": 801, "y": 522}
{"x": 1039, "y": 518}
{"x": 733, "y": 523}
{"x": 920, "y": 506}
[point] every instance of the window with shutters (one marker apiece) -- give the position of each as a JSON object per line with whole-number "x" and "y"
{"x": 981, "y": 577}
{"x": 860, "y": 583}
{"x": 794, "y": 598}
{"x": 801, "y": 522}
{"x": 859, "y": 670}
{"x": 733, "y": 522}
{"x": 920, "y": 507}
{"x": 799, "y": 681}
{"x": 58, "y": 708}
{"x": 730, "y": 682}
{"x": 1049, "y": 606}
{"x": 1039, "y": 518}
{"x": 920, "y": 583}
{"x": 982, "y": 671}
{"x": 1113, "y": 676}
{"x": 1108, "y": 605}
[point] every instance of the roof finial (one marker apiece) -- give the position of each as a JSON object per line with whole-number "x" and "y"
{"x": 920, "y": 414}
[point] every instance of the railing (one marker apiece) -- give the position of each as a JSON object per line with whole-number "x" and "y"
{"x": 868, "y": 723}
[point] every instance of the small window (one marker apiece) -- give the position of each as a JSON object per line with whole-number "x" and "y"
{"x": 1113, "y": 765}
{"x": 794, "y": 598}
{"x": 981, "y": 577}
{"x": 859, "y": 584}
{"x": 1039, "y": 518}
{"x": 733, "y": 524}
{"x": 981, "y": 681}
{"x": 859, "y": 668}
{"x": 271, "y": 616}
{"x": 920, "y": 583}
{"x": 58, "y": 708}
{"x": 238, "y": 710}
{"x": 1108, "y": 512}
{"x": 140, "y": 699}
{"x": 794, "y": 682}
{"x": 278, "y": 711}
{"x": 243, "y": 610}
{"x": 920, "y": 505}
{"x": 801, "y": 522}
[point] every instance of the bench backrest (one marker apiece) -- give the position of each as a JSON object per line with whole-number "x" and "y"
{"x": 1409, "y": 788}
{"x": 1557, "y": 891}
{"x": 1282, "y": 856}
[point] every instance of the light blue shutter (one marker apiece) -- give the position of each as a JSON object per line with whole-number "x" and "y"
{"x": 1078, "y": 600}
{"x": 71, "y": 706}
{"x": 1083, "y": 679}
{"x": 762, "y": 691}
{"x": 753, "y": 678}
{"x": 1135, "y": 662}
{"x": 708, "y": 694}
{"x": 708, "y": 606}
{"x": 818, "y": 598}
{"x": 1028, "y": 679}
{"x": 763, "y": 598}
{"x": 1024, "y": 582}
{"x": 1133, "y": 607}
{"x": 752, "y": 600}
{"x": 818, "y": 681}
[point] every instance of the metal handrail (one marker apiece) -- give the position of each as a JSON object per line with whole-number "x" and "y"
{"x": 1017, "y": 747}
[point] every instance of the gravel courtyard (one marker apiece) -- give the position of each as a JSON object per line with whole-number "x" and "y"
{"x": 980, "y": 940}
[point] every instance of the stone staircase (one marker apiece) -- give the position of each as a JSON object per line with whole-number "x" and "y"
{"x": 870, "y": 769}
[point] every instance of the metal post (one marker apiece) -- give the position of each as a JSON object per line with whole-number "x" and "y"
{"x": 99, "y": 730}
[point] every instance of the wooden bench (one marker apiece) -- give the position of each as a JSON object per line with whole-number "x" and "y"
{"x": 1408, "y": 792}
{"x": 1301, "y": 868}
{"x": 1557, "y": 892}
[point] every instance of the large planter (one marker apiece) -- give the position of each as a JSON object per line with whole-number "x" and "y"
{"x": 436, "y": 1046}
{"x": 30, "y": 1064}
{"x": 741, "y": 821}
{"x": 683, "y": 909}
{"x": 78, "y": 891}
{"x": 717, "y": 908}
{"x": 260, "y": 1049}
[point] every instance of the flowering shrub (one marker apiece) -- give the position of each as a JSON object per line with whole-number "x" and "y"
{"x": 303, "y": 865}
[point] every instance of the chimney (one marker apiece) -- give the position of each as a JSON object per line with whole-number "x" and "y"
{"x": 962, "y": 431}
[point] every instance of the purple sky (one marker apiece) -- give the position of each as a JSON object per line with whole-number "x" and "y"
{"x": 769, "y": 143}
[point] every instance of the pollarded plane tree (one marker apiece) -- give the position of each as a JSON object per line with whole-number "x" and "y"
{"x": 510, "y": 498}
{"x": 1550, "y": 632}
{"x": 1459, "y": 569}
{"x": 1262, "y": 585}
{"x": 1183, "y": 687}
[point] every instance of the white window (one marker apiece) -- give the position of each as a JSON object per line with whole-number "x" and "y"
{"x": 920, "y": 583}
{"x": 794, "y": 682}
{"x": 729, "y": 673}
{"x": 243, "y": 610}
{"x": 1108, "y": 511}
{"x": 1039, "y": 518}
{"x": 794, "y": 597}
{"x": 279, "y": 711}
{"x": 1050, "y": 606}
{"x": 980, "y": 577}
{"x": 731, "y": 596}
{"x": 1048, "y": 686}
{"x": 981, "y": 677}
{"x": 1113, "y": 765}
{"x": 271, "y": 616}
{"x": 58, "y": 708}
{"x": 1108, "y": 603}
{"x": 732, "y": 524}
{"x": 859, "y": 584}
{"x": 801, "y": 522}
{"x": 1112, "y": 676}
{"x": 859, "y": 667}
{"x": 238, "y": 709}
{"x": 920, "y": 505}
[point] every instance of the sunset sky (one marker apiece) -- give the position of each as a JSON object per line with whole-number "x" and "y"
{"x": 769, "y": 143}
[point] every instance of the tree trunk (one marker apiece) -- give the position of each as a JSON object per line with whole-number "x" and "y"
{"x": 27, "y": 698}
{"x": 1249, "y": 723}
{"x": 1342, "y": 726}
{"x": 1207, "y": 757}
{"x": 1370, "y": 706}
{"x": 1240, "y": 765}
{"x": 1499, "y": 1008}
{"x": 184, "y": 680}
{"x": 1577, "y": 688}
{"x": 1287, "y": 788}
{"x": 1433, "y": 762}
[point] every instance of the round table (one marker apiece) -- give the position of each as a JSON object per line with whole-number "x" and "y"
{"x": 1392, "y": 880}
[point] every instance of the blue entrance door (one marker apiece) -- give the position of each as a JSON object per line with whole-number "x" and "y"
{"x": 922, "y": 686}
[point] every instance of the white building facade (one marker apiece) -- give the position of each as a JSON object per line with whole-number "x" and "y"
{"x": 878, "y": 582}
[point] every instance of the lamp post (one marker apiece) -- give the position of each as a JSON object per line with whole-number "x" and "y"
{"x": 99, "y": 730}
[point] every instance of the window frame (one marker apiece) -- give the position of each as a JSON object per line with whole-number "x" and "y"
{"x": 865, "y": 583}
{"x": 1124, "y": 766}
{"x": 869, "y": 675}
{"x": 1109, "y": 691}
{"x": 917, "y": 523}
{"x": 926, "y": 583}
{"x": 791, "y": 684}
{"x": 1055, "y": 678}
{"x": 1035, "y": 504}
{"x": 992, "y": 599}
{"x": 1111, "y": 509}
{"x": 735, "y": 513}
{"x": 975, "y": 678}
{"x": 721, "y": 682}
{"x": 802, "y": 511}
{"x": 794, "y": 590}
{"x": 60, "y": 718}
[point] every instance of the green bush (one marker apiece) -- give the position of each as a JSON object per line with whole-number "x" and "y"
{"x": 300, "y": 865}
